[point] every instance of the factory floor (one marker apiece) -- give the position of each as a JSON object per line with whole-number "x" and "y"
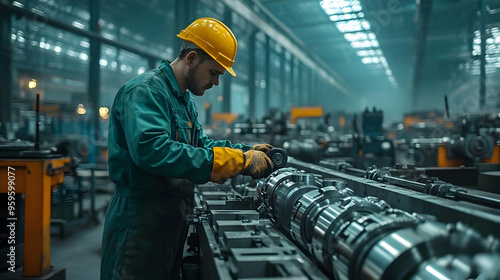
{"x": 79, "y": 250}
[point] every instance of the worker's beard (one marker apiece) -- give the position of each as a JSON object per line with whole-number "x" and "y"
{"x": 193, "y": 85}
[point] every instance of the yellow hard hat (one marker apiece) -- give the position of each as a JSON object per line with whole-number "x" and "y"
{"x": 215, "y": 38}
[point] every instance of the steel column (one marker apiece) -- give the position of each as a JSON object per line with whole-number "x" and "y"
{"x": 423, "y": 11}
{"x": 94, "y": 79}
{"x": 300, "y": 87}
{"x": 5, "y": 69}
{"x": 311, "y": 89}
{"x": 227, "y": 78}
{"x": 252, "y": 46}
{"x": 482, "y": 75}
{"x": 267, "y": 75}
{"x": 282, "y": 80}
{"x": 292, "y": 84}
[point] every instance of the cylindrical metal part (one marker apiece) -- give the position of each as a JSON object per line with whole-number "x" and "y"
{"x": 364, "y": 238}
{"x": 278, "y": 157}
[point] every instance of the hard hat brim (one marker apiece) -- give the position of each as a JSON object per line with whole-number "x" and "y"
{"x": 231, "y": 71}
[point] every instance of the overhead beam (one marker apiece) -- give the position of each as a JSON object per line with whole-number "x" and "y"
{"x": 288, "y": 41}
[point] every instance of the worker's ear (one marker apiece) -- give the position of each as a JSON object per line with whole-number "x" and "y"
{"x": 191, "y": 58}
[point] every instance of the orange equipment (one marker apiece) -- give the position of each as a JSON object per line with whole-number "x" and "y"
{"x": 35, "y": 178}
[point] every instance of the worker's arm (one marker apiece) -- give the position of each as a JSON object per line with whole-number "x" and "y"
{"x": 145, "y": 117}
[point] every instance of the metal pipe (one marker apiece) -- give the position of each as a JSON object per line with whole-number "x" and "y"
{"x": 421, "y": 187}
{"x": 356, "y": 172}
{"x": 405, "y": 183}
{"x": 483, "y": 200}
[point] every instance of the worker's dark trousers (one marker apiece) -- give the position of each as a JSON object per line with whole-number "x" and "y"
{"x": 144, "y": 236}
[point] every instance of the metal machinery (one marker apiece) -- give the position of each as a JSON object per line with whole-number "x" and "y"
{"x": 361, "y": 147}
{"x": 472, "y": 140}
{"x": 308, "y": 221}
{"x": 33, "y": 174}
{"x": 29, "y": 173}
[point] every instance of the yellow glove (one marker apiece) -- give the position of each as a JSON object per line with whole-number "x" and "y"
{"x": 256, "y": 164}
{"x": 228, "y": 163}
{"x": 262, "y": 147}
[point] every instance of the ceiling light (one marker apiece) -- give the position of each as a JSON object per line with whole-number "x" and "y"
{"x": 362, "y": 53}
{"x": 366, "y": 60}
{"x": 84, "y": 44}
{"x": 78, "y": 24}
{"x": 361, "y": 44}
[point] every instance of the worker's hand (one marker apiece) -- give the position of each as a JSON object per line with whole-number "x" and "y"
{"x": 265, "y": 148}
{"x": 256, "y": 164}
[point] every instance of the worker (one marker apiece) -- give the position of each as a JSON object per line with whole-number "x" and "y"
{"x": 157, "y": 152}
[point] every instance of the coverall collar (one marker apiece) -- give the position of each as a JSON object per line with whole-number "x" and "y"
{"x": 169, "y": 73}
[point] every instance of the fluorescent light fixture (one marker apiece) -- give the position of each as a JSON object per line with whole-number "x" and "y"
{"x": 17, "y": 4}
{"x": 72, "y": 53}
{"x": 361, "y": 44}
{"x": 78, "y": 24}
{"x": 362, "y": 53}
{"x": 84, "y": 44}
{"x": 359, "y": 36}
{"x": 349, "y": 19}
{"x": 108, "y": 36}
{"x": 366, "y": 60}
{"x": 335, "y": 18}
{"x": 332, "y": 11}
{"x": 349, "y": 26}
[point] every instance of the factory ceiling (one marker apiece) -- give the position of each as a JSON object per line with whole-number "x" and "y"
{"x": 386, "y": 45}
{"x": 397, "y": 47}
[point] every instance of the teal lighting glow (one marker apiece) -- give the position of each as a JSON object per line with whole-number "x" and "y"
{"x": 350, "y": 19}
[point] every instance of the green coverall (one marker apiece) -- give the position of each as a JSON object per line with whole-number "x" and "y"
{"x": 157, "y": 152}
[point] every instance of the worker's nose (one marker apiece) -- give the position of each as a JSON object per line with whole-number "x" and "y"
{"x": 215, "y": 81}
